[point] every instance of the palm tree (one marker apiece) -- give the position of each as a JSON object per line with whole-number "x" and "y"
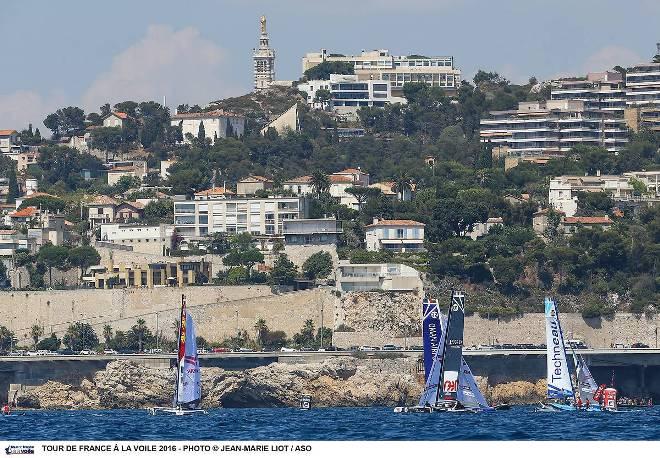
{"x": 107, "y": 335}
{"x": 262, "y": 329}
{"x": 402, "y": 182}
{"x": 362, "y": 194}
{"x": 320, "y": 182}
{"x": 140, "y": 330}
{"x": 36, "y": 332}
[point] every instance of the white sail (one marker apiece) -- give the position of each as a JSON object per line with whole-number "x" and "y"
{"x": 189, "y": 390}
{"x": 558, "y": 376}
{"x": 469, "y": 393}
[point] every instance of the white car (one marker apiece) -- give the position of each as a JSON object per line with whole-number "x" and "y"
{"x": 110, "y": 351}
{"x": 32, "y": 353}
{"x": 87, "y": 352}
{"x": 155, "y": 350}
{"x": 287, "y": 349}
{"x": 202, "y": 350}
{"x": 367, "y": 348}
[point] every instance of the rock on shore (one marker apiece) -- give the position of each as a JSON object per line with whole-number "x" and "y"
{"x": 344, "y": 381}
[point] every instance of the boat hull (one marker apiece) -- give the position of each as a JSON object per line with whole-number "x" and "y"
{"x": 175, "y": 411}
{"x": 557, "y": 407}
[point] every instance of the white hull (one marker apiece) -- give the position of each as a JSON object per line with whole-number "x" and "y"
{"x": 175, "y": 411}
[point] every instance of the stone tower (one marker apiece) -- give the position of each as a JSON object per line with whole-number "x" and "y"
{"x": 264, "y": 60}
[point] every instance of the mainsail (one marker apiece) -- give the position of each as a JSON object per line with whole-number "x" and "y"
{"x": 558, "y": 376}
{"x": 469, "y": 393}
{"x": 586, "y": 384}
{"x": 430, "y": 393}
{"x": 453, "y": 347}
{"x": 189, "y": 387}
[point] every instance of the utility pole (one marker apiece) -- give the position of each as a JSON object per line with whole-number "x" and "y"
{"x": 322, "y": 323}
{"x": 157, "y": 339}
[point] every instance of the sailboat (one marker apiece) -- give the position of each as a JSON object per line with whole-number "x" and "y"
{"x": 450, "y": 386}
{"x": 562, "y": 396}
{"x": 188, "y": 388}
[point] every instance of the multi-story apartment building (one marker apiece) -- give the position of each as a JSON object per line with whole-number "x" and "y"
{"x": 379, "y": 64}
{"x": 551, "y": 128}
{"x": 339, "y": 183}
{"x": 232, "y": 215}
{"x": 563, "y": 191}
{"x": 348, "y": 93}
{"x": 156, "y": 240}
{"x": 643, "y": 96}
{"x": 603, "y": 93}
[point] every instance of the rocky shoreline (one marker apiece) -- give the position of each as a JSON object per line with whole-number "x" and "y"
{"x": 334, "y": 382}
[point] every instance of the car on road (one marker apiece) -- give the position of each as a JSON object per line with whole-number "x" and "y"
{"x": 639, "y": 345}
{"x": 32, "y": 353}
{"x": 202, "y": 350}
{"x": 575, "y": 343}
{"x": 220, "y": 350}
{"x": 245, "y": 350}
{"x": 306, "y": 349}
{"x": 87, "y": 352}
{"x": 110, "y": 351}
{"x": 619, "y": 345}
{"x": 416, "y": 348}
{"x": 368, "y": 348}
{"x": 155, "y": 351}
{"x": 287, "y": 349}
{"x": 390, "y": 347}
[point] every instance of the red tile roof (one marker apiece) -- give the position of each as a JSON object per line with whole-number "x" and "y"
{"x": 351, "y": 170}
{"x": 119, "y": 114}
{"x": 252, "y": 178}
{"x": 103, "y": 200}
{"x": 7, "y": 232}
{"x": 303, "y": 179}
{"x": 340, "y": 179}
{"x": 26, "y": 212}
{"x": 397, "y": 222}
{"x": 587, "y": 220}
{"x": 8, "y": 132}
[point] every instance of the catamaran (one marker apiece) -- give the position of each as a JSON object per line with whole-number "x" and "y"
{"x": 450, "y": 384}
{"x": 188, "y": 388}
{"x": 561, "y": 394}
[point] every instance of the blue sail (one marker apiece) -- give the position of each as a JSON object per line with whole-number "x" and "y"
{"x": 431, "y": 333}
{"x": 430, "y": 392}
{"x": 469, "y": 393}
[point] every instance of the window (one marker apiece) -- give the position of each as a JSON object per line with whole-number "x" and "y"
{"x": 400, "y": 233}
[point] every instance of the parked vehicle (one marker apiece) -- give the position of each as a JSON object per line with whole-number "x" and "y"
{"x": 154, "y": 351}
{"x": 416, "y": 348}
{"x": 368, "y": 348}
{"x": 390, "y": 347}
{"x": 245, "y": 350}
{"x": 619, "y": 345}
{"x": 202, "y": 350}
{"x": 110, "y": 351}
{"x": 87, "y": 352}
{"x": 287, "y": 349}
{"x": 575, "y": 343}
{"x": 220, "y": 350}
{"x": 639, "y": 345}
{"x": 306, "y": 349}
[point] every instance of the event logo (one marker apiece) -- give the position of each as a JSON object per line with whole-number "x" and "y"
{"x": 19, "y": 450}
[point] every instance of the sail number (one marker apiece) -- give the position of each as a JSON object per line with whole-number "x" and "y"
{"x": 450, "y": 386}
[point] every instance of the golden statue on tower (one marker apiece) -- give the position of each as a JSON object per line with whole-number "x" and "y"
{"x": 263, "y": 25}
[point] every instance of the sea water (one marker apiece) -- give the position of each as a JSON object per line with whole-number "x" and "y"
{"x": 373, "y": 423}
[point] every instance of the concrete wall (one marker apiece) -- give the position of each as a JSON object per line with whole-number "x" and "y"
{"x": 218, "y": 311}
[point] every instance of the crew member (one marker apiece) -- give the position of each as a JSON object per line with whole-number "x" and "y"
{"x": 587, "y": 404}
{"x": 6, "y": 410}
{"x": 579, "y": 403}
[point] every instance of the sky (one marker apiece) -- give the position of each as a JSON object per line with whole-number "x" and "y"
{"x": 84, "y": 53}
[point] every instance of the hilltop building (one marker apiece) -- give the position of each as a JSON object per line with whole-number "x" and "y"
{"x": 643, "y": 96}
{"x": 217, "y": 124}
{"x": 264, "y": 60}
{"x": 379, "y": 64}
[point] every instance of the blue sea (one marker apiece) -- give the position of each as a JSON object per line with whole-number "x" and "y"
{"x": 374, "y": 423}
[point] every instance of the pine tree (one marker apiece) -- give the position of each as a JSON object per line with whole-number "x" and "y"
{"x": 201, "y": 133}
{"x": 13, "y": 186}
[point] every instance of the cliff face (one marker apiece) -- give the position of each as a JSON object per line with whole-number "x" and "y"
{"x": 332, "y": 382}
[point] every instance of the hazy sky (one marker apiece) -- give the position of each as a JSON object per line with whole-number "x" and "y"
{"x": 84, "y": 53}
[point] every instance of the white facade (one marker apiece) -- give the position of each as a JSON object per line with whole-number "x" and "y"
{"x": 144, "y": 239}
{"x": 232, "y": 215}
{"x": 643, "y": 91}
{"x": 379, "y": 64}
{"x": 370, "y": 277}
{"x": 114, "y": 119}
{"x": 395, "y": 235}
{"x": 263, "y": 59}
{"x": 551, "y": 128}
{"x": 602, "y": 93}
{"x": 563, "y": 191}
{"x": 339, "y": 183}
{"x": 9, "y": 140}
{"x": 217, "y": 124}
{"x": 165, "y": 167}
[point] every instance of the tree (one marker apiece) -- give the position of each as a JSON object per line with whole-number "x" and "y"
{"x": 13, "y": 186}
{"x": 318, "y": 265}
{"x": 323, "y": 96}
{"x": 80, "y": 336}
{"x": 107, "y": 139}
{"x": 320, "y": 182}
{"x": 51, "y": 343}
{"x": 402, "y": 183}
{"x": 201, "y": 132}
{"x": 84, "y": 257}
{"x": 50, "y": 203}
{"x": 323, "y": 70}
{"x": 36, "y": 332}
{"x": 362, "y": 194}
{"x": 159, "y": 211}
{"x": 66, "y": 121}
{"x": 506, "y": 270}
{"x": 284, "y": 271}
{"x": 107, "y": 335}
{"x": 7, "y": 339}
{"x": 261, "y": 329}
{"x": 52, "y": 256}
{"x": 305, "y": 338}
{"x": 139, "y": 335}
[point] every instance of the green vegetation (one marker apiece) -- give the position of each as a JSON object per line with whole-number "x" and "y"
{"x": 323, "y": 70}
{"x": 80, "y": 336}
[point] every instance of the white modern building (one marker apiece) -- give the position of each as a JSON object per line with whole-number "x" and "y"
{"x": 217, "y": 124}
{"x": 379, "y": 64}
{"x": 643, "y": 96}
{"x": 232, "y": 215}
{"x": 348, "y": 93}
{"x": 400, "y": 235}
{"x": 551, "y": 128}
{"x": 563, "y": 191}
{"x": 156, "y": 240}
{"x": 263, "y": 58}
{"x": 9, "y": 141}
{"x": 115, "y": 119}
{"x": 603, "y": 93}
{"x": 370, "y": 277}
{"x": 339, "y": 183}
